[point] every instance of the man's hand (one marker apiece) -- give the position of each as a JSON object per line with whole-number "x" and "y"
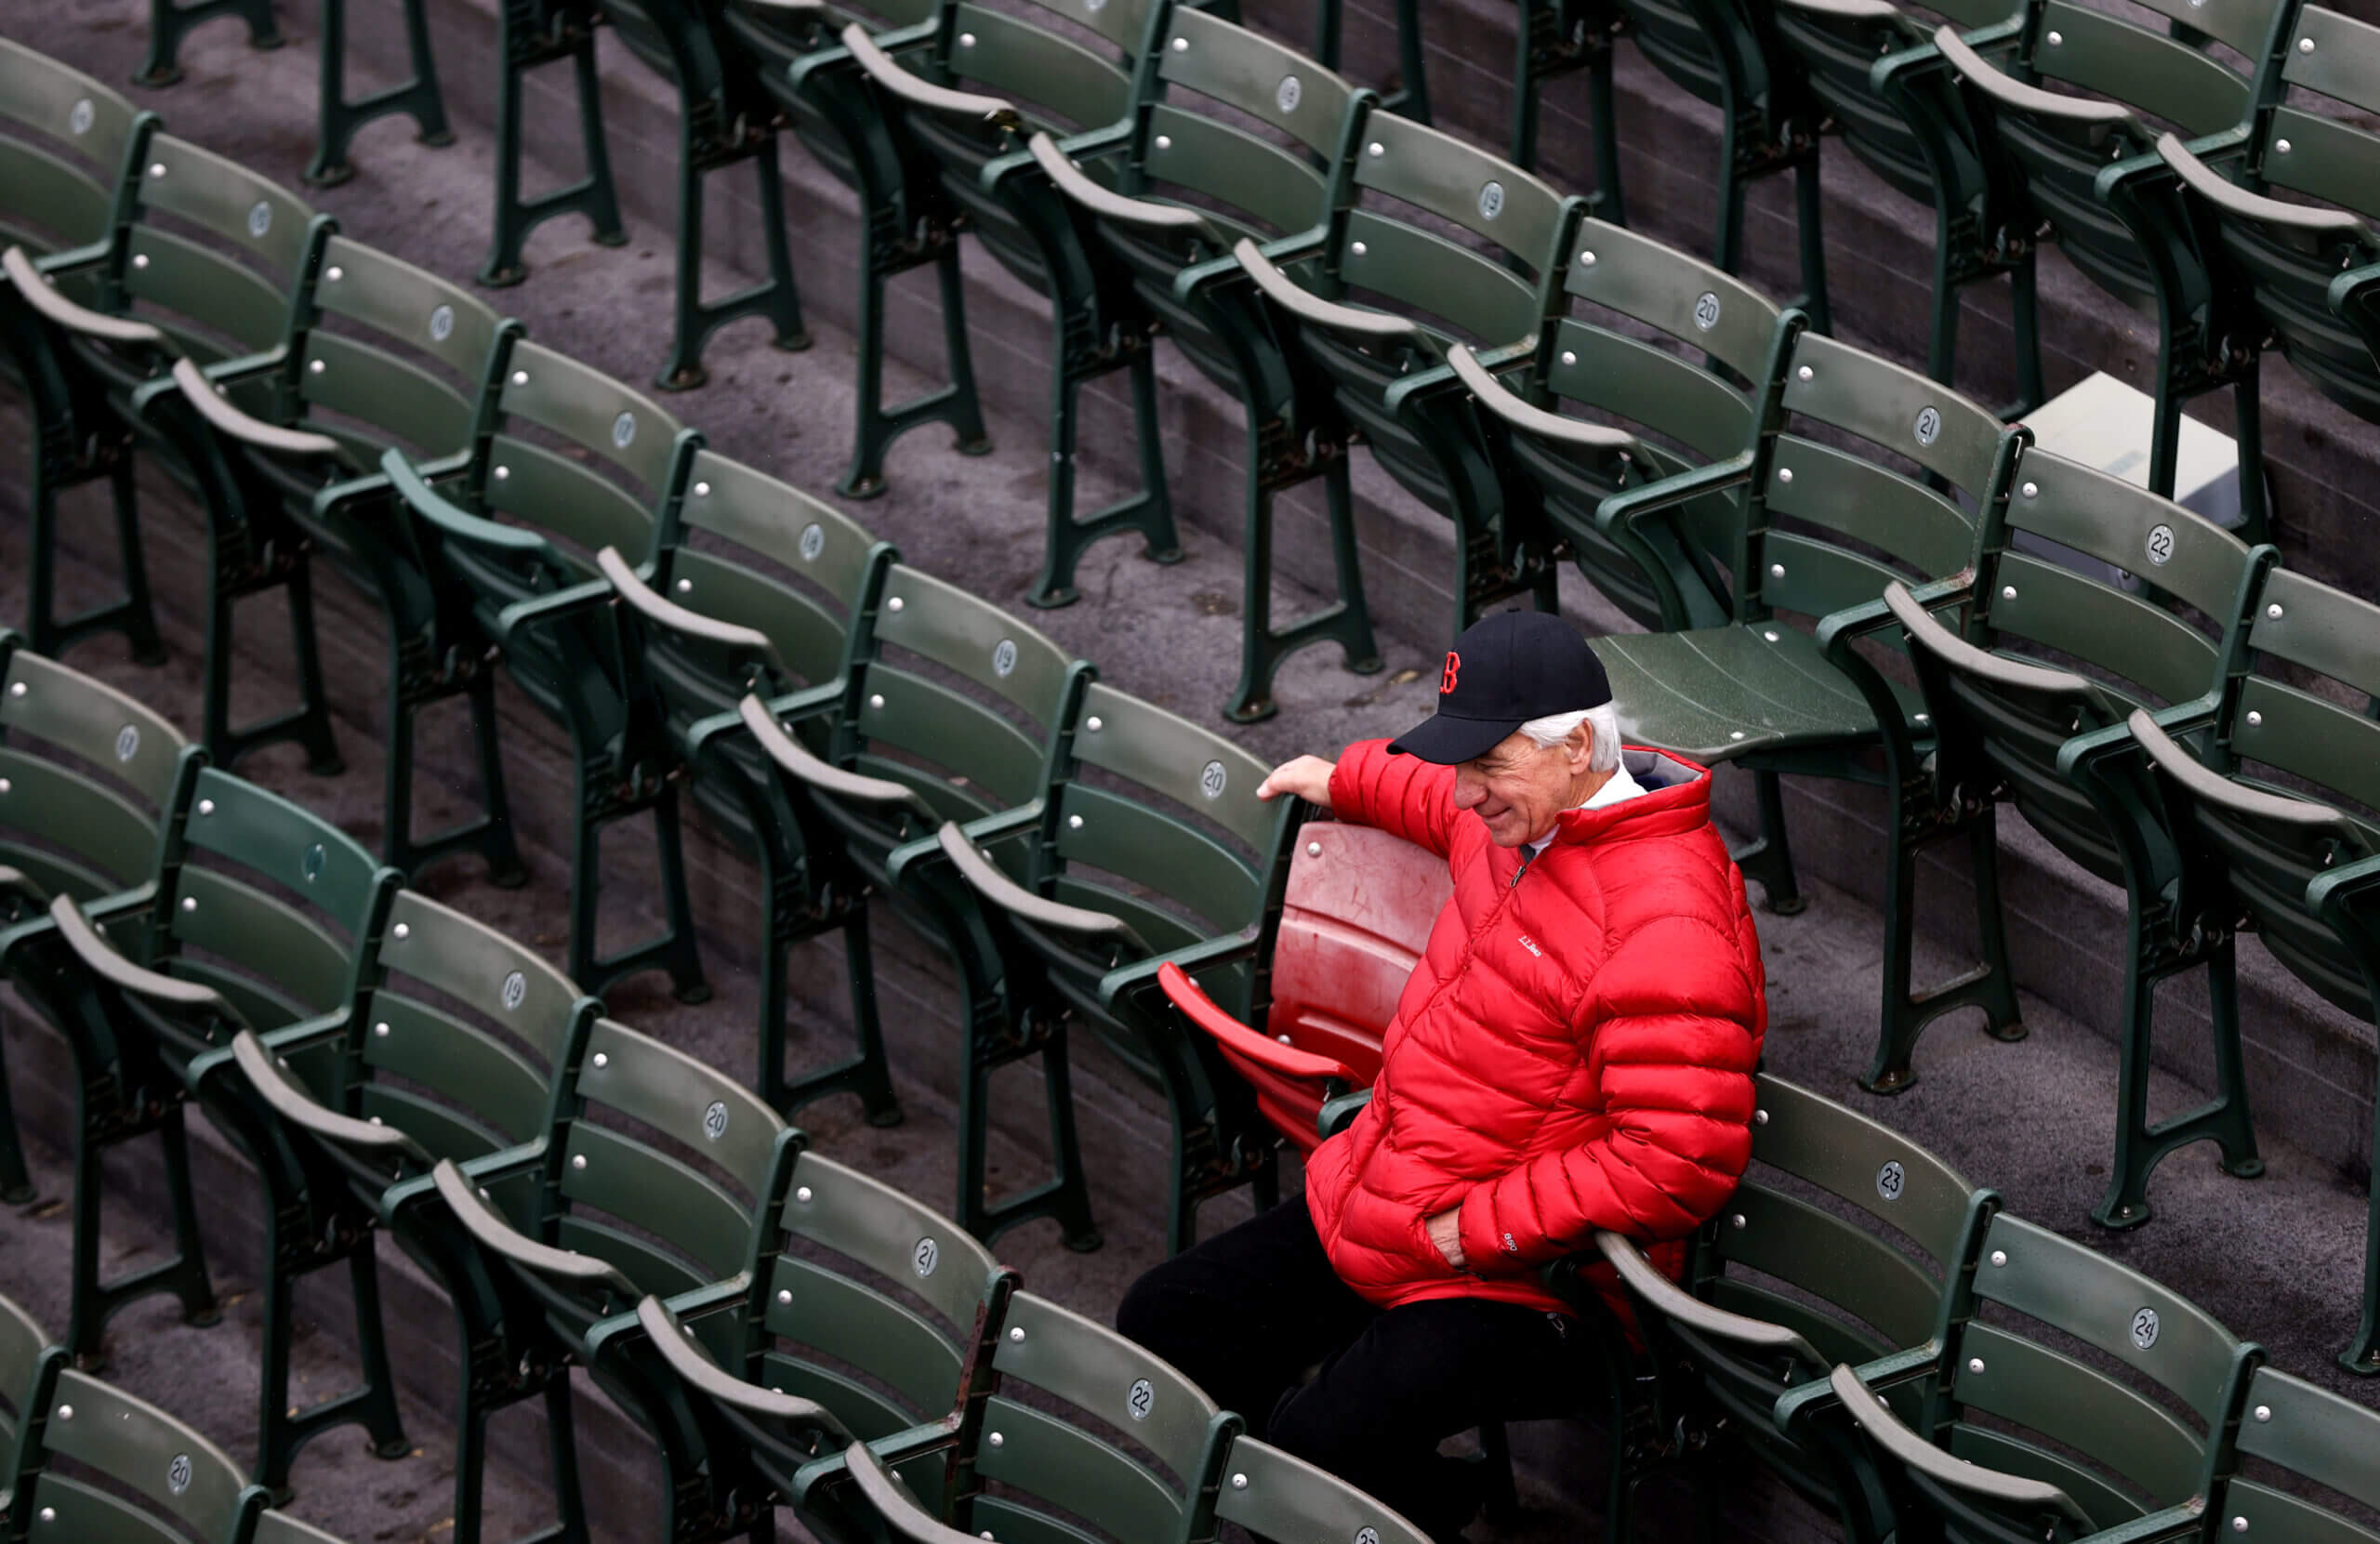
{"x": 1308, "y": 777}
{"x": 1445, "y": 1232}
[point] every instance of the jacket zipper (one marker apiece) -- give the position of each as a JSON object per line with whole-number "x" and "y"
{"x": 1526, "y": 858}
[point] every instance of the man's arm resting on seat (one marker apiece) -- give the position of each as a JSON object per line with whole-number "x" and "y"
{"x": 1675, "y": 1065}
{"x": 1402, "y": 795}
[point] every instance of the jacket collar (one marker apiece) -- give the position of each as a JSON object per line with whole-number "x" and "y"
{"x": 1676, "y": 798}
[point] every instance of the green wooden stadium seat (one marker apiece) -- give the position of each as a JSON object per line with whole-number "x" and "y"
{"x": 1680, "y": 411}
{"x": 2306, "y": 1433}
{"x": 200, "y": 263}
{"x": 1376, "y": 292}
{"x": 2023, "y": 1439}
{"x": 763, "y": 606}
{"x": 1132, "y": 1451}
{"x": 967, "y": 97}
{"x": 448, "y": 1048}
{"x": 256, "y": 917}
{"x": 2116, "y": 80}
{"x": 29, "y": 1365}
{"x": 1780, "y": 1288}
{"x": 104, "y": 1467}
{"x": 377, "y": 354}
{"x": 62, "y": 141}
{"x": 904, "y": 750}
{"x": 907, "y": 223}
{"x": 510, "y": 536}
{"x": 1191, "y": 179}
{"x": 2040, "y": 657}
{"x": 1897, "y": 108}
{"x": 64, "y": 829}
{"x": 1828, "y": 522}
{"x": 724, "y": 119}
{"x": 2279, "y": 782}
{"x": 1148, "y": 846}
{"x": 876, "y": 1318}
{"x": 654, "y": 1179}
{"x": 2284, "y": 205}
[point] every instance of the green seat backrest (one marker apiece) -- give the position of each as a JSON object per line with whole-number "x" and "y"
{"x": 2138, "y": 649}
{"x": 398, "y": 352}
{"x": 1077, "y": 1464}
{"x": 2310, "y": 644}
{"x": 738, "y": 546}
{"x": 460, "y": 1030}
{"x": 2113, "y": 1446}
{"x": 840, "y": 1336}
{"x": 1840, "y": 46}
{"x": 65, "y": 826}
{"x": 216, "y": 249}
{"x": 598, "y": 419}
{"x": 60, "y": 165}
{"x": 1699, "y": 43}
{"x": 2309, "y": 1433}
{"x": 2309, "y": 139}
{"x": 1052, "y": 77}
{"x": 105, "y": 1432}
{"x": 1273, "y": 188}
{"x": 2160, "y": 77}
{"x": 1828, "y": 527}
{"x": 264, "y": 901}
{"x": 668, "y": 1222}
{"x": 1275, "y": 1494}
{"x": 902, "y": 708}
{"x": 1422, "y": 273}
{"x": 1176, "y": 835}
{"x": 22, "y": 1344}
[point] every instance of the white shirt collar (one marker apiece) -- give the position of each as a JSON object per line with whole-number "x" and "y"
{"x": 1617, "y": 789}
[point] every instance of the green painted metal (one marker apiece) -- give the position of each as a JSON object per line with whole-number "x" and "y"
{"x": 1194, "y": 864}
{"x": 163, "y": 1477}
{"x": 763, "y": 607}
{"x": 341, "y": 115}
{"x": 531, "y": 34}
{"x": 2275, "y": 779}
{"x": 907, "y": 221}
{"x": 1896, "y": 107}
{"x": 2309, "y": 1433}
{"x": 1188, "y": 140}
{"x": 169, "y": 23}
{"x": 448, "y": 1048}
{"x": 2083, "y": 159}
{"x": 2029, "y": 673}
{"x": 58, "y": 188}
{"x": 1277, "y": 1495}
{"x": 1039, "y": 78}
{"x": 507, "y": 538}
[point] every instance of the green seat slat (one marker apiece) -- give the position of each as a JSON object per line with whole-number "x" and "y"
{"x": 408, "y": 405}
{"x": 1235, "y": 167}
{"x": 134, "y": 1443}
{"x": 1717, "y": 692}
{"x": 856, "y": 1324}
{"x": 301, "y": 958}
{"x": 89, "y": 829}
{"x": 443, "y": 1133}
{"x": 659, "y": 1195}
{"x": 1043, "y": 1456}
{"x": 86, "y": 1512}
{"x": 648, "y": 1267}
{"x": 1154, "y": 849}
{"x": 808, "y": 637}
{"x": 682, "y": 1098}
{"x": 1429, "y": 273}
{"x": 190, "y": 281}
{"x": 870, "y": 1222}
{"x": 560, "y": 497}
{"x": 495, "y": 1083}
{"x": 2277, "y": 1514}
{"x": 2076, "y": 1405}
{"x": 2313, "y": 1433}
{"x": 1849, "y": 1267}
{"x": 2107, "y": 1504}
{"x": 866, "y": 1413}
{"x": 927, "y": 718}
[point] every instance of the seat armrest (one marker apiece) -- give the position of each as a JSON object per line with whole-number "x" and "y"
{"x": 491, "y": 1232}
{"x": 790, "y": 755}
{"x": 1285, "y": 293}
{"x": 1856, "y": 10}
{"x": 1672, "y": 1302}
{"x": 1837, "y": 629}
{"x": 1242, "y": 1041}
{"x": 1107, "y": 203}
{"x": 2232, "y": 199}
{"x": 1140, "y": 975}
{"x": 887, "y": 73}
{"x": 413, "y": 484}
{"x": 990, "y": 830}
{"x": 1528, "y": 418}
{"x": 1626, "y": 508}
{"x": 1804, "y": 1401}
{"x": 893, "y": 1505}
{"x": 1917, "y": 618}
{"x": 1885, "y": 1428}
{"x": 207, "y": 399}
{"x": 985, "y": 880}
{"x": 1987, "y": 78}
{"x": 2174, "y": 760}
{"x": 99, "y": 958}
{"x": 642, "y": 599}
{"x": 287, "y": 1099}
{"x": 675, "y": 1343}
{"x": 540, "y": 610}
{"x": 18, "y": 893}
{"x": 1337, "y": 1115}
{"x": 55, "y": 308}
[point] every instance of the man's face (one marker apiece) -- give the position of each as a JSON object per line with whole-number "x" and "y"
{"x": 1519, "y": 787}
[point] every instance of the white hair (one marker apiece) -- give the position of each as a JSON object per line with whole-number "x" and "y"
{"x": 1555, "y": 727}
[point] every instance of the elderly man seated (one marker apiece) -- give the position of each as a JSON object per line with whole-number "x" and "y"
{"x": 1574, "y": 1051}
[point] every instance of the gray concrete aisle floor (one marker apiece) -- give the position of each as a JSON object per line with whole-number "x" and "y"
{"x": 2277, "y": 1258}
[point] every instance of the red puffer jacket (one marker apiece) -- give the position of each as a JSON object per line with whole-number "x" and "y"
{"x": 1574, "y": 1051}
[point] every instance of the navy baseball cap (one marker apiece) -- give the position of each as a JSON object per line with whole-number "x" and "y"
{"x": 1503, "y": 671}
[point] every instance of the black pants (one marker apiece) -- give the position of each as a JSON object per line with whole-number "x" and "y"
{"x": 1245, "y": 1314}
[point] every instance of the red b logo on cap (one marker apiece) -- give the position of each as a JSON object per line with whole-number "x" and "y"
{"x": 1446, "y": 682}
